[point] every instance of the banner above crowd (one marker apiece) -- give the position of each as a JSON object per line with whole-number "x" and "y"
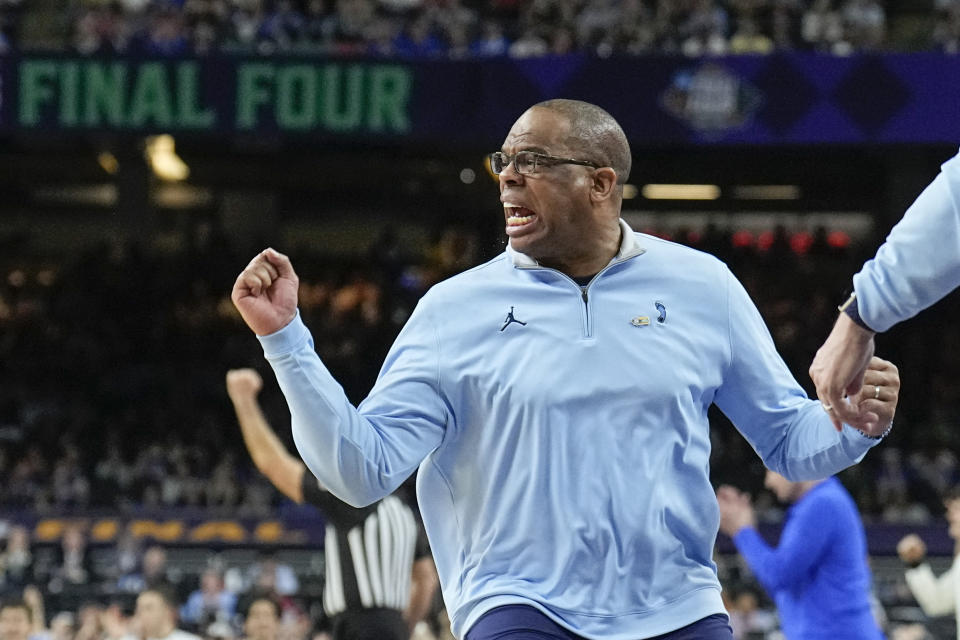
{"x": 781, "y": 99}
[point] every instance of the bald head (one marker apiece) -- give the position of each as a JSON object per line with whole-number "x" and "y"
{"x": 594, "y": 133}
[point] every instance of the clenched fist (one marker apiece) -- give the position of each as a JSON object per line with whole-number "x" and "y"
{"x": 243, "y": 383}
{"x": 265, "y": 293}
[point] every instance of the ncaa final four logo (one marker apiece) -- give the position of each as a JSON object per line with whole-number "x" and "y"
{"x": 710, "y": 98}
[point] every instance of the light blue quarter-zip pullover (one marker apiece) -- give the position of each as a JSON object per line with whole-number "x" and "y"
{"x": 561, "y": 432}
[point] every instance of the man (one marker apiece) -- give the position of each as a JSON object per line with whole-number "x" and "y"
{"x": 210, "y": 602}
{"x": 818, "y": 574}
{"x": 372, "y": 553}
{"x": 563, "y": 463}
{"x": 917, "y": 265}
{"x": 155, "y": 617}
{"x": 936, "y": 596}
{"x": 262, "y": 621}
{"x": 15, "y": 620}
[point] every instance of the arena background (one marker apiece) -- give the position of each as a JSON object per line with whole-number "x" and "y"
{"x": 148, "y": 149}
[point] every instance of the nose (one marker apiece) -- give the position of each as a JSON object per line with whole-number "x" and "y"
{"x": 510, "y": 175}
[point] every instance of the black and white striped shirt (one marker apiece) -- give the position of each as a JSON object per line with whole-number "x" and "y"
{"x": 369, "y": 551}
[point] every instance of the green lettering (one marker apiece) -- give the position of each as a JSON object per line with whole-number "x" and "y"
{"x": 389, "y": 98}
{"x": 69, "y": 94}
{"x": 192, "y": 116}
{"x": 35, "y": 89}
{"x": 251, "y": 93}
{"x": 296, "y": 97}
{"x": 346, "y": 116}
{"x": 151, "y": 97}
{"x": 103, "y": 89}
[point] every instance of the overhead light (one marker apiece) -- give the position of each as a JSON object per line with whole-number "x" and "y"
{"x": 681, "y": 191}
{"x": 108, "y": 162}
{"x": 163, "y": 159}
{"x": 766, "y": 192}
{"x": 630, "y": 191}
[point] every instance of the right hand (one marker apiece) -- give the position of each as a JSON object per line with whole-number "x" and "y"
{"x": 838, "y": 369}
{"x": 912, "y": 549}
{"x": 265, "y": 292}
{"x": 736, "y": 512}
{"x": 243, "y": 383}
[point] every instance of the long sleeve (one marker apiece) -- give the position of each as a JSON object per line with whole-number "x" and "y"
{"x": 361, "y": 455}
{"x": 920, "y": 261}
{"x": 791, "y": 433}
{"x": 936, "y": 596}
{"x": 800, "y": 550}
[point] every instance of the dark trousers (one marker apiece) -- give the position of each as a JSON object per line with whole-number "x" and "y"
{"x": 521, "y": 622}
{"x": 370, "y": 624}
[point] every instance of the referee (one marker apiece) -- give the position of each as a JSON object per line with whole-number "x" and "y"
{"x": 380, "y": 577}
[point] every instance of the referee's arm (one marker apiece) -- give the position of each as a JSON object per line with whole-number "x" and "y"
{"x": 272, "y": 459}
{"x": 423, "y": 584}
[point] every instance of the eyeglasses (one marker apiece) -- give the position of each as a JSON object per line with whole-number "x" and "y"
{"x": 528, "y": 162}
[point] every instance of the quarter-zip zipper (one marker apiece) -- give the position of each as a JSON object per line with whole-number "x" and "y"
{"x": 586, "y": 320}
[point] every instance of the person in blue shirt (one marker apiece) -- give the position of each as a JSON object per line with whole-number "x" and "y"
{"x": 817, "y": 575}
{"x": 555, "y": 400}
{"x": 917, "y": 265}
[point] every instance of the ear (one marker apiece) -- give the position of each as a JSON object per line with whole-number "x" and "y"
{"x": 604, "y": 184}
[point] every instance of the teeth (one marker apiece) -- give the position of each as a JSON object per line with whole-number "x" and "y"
{"x": 515, "y": 221}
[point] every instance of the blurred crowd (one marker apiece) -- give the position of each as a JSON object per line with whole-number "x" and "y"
{"x": 75, "y": 591}
{"x": 113, "y": 361}
{"x": 457, "y": 29}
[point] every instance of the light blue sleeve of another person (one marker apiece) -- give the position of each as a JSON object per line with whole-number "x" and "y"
{"x": 920, "y": 261}
{"x": 361, "y": 455}
{"x": 790, "y": 432}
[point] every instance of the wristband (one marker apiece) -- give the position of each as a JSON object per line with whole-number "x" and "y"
{"x": 883, "y": 435}
{"x": 849, "y": 307}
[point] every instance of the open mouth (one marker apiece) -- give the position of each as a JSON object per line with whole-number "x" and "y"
{"x": 518, "y": 216}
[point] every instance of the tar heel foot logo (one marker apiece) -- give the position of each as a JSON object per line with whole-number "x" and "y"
{"x": 510, "y": 319}
{"x": 661, "y": 312}
{"x": 711, "y": 99}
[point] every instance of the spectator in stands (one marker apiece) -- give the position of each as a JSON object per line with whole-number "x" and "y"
{"x": 865, "y": 23}
{"x": 384, "y": 535}
{"x": 155, "y": 617}
{"x": 491, "y": 42}
{"x": 74, "y": 567}
{"x": 16, "y": 620}
{"x": 748, "y": 39}
{"x": 937, "y": 596}
{"x": 16, "y": 560}
{"x": 823, "y": 28}
{"x": 262, "y": 621}
{"x": 209, "y": 603}
{"x": 152, "y": 573}
{"x": 266, "y": 576}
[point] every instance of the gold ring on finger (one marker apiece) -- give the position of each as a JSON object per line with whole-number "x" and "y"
{"x": 876, "y": 392}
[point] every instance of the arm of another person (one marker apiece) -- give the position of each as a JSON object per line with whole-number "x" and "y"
{"x": 359, "y": 455}
{"x": 423, "y": 584}
{"x": 936, "y": 596}
{"x": 917, "y": 265}
{"x": 269, "y": 455}
{"x": 803, "y": 542}
{"x": 792, "y": 434}
{"x": 920, "y": 261}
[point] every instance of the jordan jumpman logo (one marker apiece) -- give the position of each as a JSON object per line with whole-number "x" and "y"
{"x": 509, "y": 319}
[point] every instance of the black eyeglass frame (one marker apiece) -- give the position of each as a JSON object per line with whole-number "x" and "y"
{"x": 538, "y": 159}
